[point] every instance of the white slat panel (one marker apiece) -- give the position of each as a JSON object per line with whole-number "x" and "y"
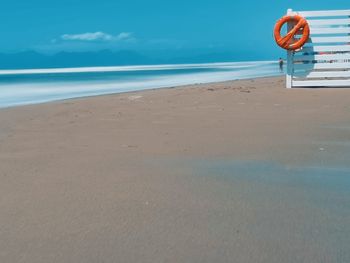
{"x": 332, "y": 27}
{"x": 323, "y": 57}
{"x": 344, "y": 39}
{"x": 330, "y": 30}
{"x": 325, "y": 48}
{"x": 321, "y": 83}
{"x": 324, "y": 13}
{"x": 323, "y": 74}
{"x": 311, "y": 66}
{"x": 328, "y": 22}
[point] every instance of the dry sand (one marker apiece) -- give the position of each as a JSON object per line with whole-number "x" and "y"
{"x": 203, "y": 173}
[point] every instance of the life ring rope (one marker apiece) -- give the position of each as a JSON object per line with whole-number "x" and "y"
{"x": 287, "y": 42}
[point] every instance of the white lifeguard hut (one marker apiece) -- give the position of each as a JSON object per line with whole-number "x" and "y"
{"x": 324, "y": 61}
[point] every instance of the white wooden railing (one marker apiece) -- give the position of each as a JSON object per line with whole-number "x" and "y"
{"x": 324, "y": 61}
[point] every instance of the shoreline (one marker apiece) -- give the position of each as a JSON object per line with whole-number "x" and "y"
{"x": 134, "y": 91}
{"x": 33, "y": 88}
{"x": 242, "y": 169}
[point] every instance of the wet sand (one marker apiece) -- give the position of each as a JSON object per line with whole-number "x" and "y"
{"x": 241, "y": 171}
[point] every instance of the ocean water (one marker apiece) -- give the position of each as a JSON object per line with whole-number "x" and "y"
{"x": 21, "y": 87}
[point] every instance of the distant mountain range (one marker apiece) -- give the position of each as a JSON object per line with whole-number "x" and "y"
{"x": 33, "y": 59}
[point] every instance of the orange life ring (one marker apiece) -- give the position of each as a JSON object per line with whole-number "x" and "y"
{"x": 288, "y": 41}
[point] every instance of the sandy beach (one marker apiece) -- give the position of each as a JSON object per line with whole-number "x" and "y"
{"x": 239, "y": 171}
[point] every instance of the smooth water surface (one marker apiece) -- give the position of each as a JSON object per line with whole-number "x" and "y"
{"x": 20, "y": 87}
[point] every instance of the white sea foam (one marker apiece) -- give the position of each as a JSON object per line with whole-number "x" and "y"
{"x": 227, "y": 65}
{"x": 35, "y": 90}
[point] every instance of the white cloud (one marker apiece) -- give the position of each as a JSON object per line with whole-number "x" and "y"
{"x": 97, "y": 36}
{"x": 124, "y": 36}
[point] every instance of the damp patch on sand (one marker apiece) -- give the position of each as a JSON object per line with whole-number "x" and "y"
{"x": 286, "y": 211}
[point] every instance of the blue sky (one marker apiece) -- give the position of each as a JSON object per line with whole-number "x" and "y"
{"x": 150, "y": 26}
